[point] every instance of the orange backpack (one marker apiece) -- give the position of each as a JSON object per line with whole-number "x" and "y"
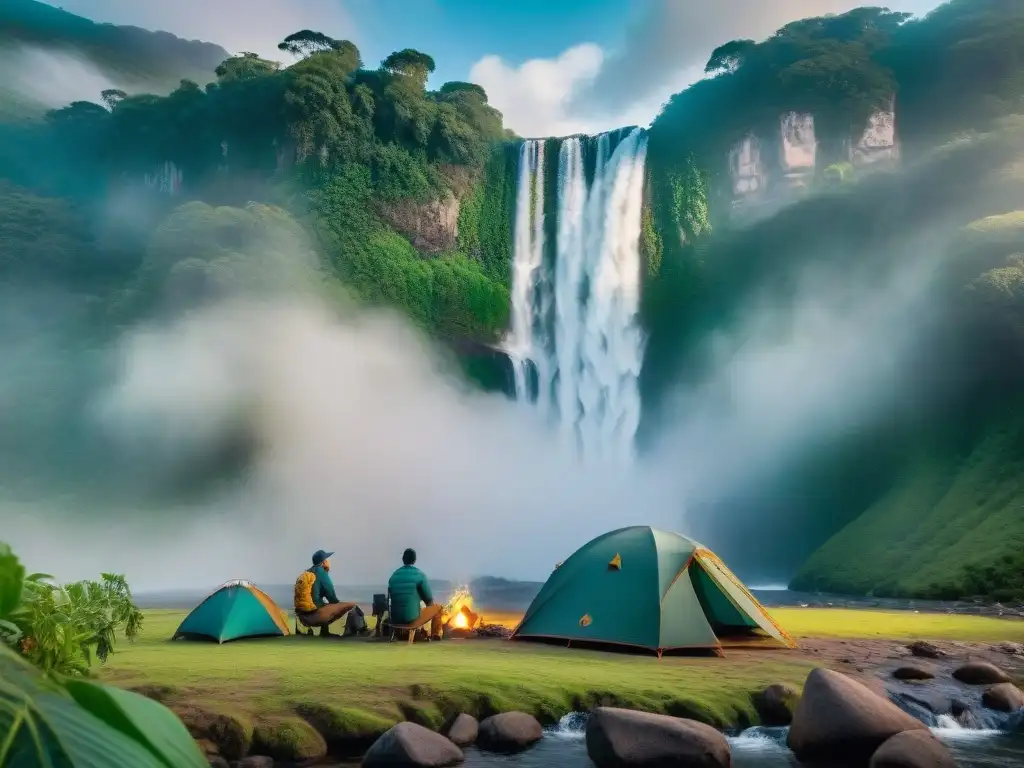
{"x": 304, "y": 592}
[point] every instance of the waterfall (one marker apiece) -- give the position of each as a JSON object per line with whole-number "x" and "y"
{"x": 528, "y": 255}
{"x": 588, "y": 349}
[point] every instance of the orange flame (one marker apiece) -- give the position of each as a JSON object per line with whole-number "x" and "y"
{"x": 459, "y": 610}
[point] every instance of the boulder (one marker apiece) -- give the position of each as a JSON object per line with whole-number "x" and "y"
{"x": 290, "y": 740}
{"x": 1005, "y": 697}
{"x": 255, "y": 761}
{"x": 837, "y": 717}
{"x": 913, "y": 672}
{"x": 230, "y": 736}
{"x": 621, "y": 738}
{"x": 412, "y": 745}
{"x": 463, "y": 730}
{"x": 925, "y": 650}
{"x": 936, "y": 702}
{"x": 912, "y": 749}
{"x": 980, "y": 673}
{"x": 775, "y": 704}
{"x": 509, "y": 732}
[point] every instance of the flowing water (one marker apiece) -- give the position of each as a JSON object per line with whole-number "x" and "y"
{"x": 575, "y": 306}
{"x": 564, "y": 746}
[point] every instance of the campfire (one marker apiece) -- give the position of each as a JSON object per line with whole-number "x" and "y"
{"x": 459, "y": 616}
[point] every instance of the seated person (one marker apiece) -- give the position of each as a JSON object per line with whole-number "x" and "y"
{"x": 407, "y": 587}
{"x": 316, "y": 604}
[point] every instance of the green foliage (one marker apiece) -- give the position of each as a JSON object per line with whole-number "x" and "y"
{"x": 497, "y": 213}
{"x": 410, "y": 63}
{"x": 64, "y": 627}
{"x": 245, "y": 66}
{"x": 47, "y": 718}
{"x": 949, "y": 527}
{"x": 306, "y": 42}
{"x": 449, "y": 295}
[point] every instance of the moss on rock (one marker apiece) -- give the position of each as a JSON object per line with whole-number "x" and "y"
{"x": 288, "y": 739}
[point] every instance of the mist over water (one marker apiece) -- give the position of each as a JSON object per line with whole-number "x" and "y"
{"x": 362, "y": 443}
{"x": 233, "y": 438}
{"x": 52, "y": 78}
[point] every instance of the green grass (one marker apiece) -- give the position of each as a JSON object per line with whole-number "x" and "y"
{"x": 952, "y": 527}
{"x": 351, "y": 691}
{"x": 364, "y": 686}
{"x": 896, "y": 625}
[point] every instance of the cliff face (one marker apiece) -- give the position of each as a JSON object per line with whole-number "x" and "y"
{"x": 432, "y": 226}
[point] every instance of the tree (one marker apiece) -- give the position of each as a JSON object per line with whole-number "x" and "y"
{"x": 729, "y": 57}
{"x": 307, "y": 42}
{"x": 245, "y": 66}
{"x": 410, "y": 63}
{"x": 457, "y": 86}
{"x": 112, "y": 97}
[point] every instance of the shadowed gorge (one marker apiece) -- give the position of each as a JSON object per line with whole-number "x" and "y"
{"x": 324, "y": 296}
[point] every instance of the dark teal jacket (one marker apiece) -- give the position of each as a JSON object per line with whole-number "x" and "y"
{"x": 323, "y": 587}
{"x": 407, "y": 586}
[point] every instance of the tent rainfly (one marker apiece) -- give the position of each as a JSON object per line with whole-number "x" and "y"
{"x": 644, "y": 588}
{"x": 236, "y": 609}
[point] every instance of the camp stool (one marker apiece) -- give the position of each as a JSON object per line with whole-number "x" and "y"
{"x": 411, "y": 629}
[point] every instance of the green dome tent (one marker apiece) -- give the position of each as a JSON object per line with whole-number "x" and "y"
{"x": 645, "y": 588}
{"x": 235, "y": 610}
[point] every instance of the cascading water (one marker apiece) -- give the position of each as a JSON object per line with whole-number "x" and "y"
{"x": 588, "y": 363}
{"x": 528, "y": 257}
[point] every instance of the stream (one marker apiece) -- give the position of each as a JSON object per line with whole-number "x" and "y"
{"x": 564, "y": 746}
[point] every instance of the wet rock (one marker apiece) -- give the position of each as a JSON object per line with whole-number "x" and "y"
{"x": 936, "y": 702}
{"x": 1013, "y": 649}
{"x": 621, "y": 738}
{"x": 913, "y": 672}
{"x": 412, "y": 745}
{"x": 775, "y": 704}
{"x": 255, "y": 761}
{"x": 925, "y": 650}
{"x": 463, "y": 730}
{"x": 837, "y": 717}
{"x": 1005, "y": 697}
{"x": 912, "y": 749}
{"x": 980, "y": 673}
{"x": 968, "y": 720}
{"x": 508, "y": 732}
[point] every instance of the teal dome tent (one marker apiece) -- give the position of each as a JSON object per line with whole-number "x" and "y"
{"x": 644, "y": 588}
{"x": 234, "y": 610}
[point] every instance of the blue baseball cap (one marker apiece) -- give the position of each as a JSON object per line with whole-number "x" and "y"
{"x": 319, "y": 556}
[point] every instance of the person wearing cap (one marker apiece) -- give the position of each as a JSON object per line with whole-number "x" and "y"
{"x": 316, "y": 604}
{"x": 407, "y": 588}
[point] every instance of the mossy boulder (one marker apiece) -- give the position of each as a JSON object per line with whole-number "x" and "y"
{"x": 348, "y": 731}
{"x": 288, "y": 739}
{"x": 232, "y": 734}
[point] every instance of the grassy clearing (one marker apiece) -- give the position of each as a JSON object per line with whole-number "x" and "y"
{"x": 351, "y": 691}
{"x": 896, "y": 625}
{"x": 353, "y": 686}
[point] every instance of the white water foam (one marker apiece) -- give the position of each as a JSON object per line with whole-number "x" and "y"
{"x": 588, "y": 367}
{"x": 528, "y": 255}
